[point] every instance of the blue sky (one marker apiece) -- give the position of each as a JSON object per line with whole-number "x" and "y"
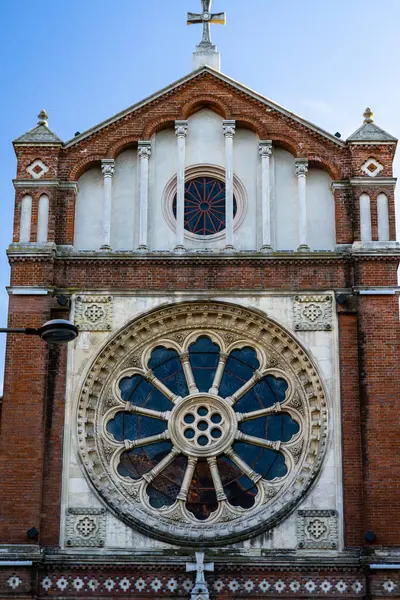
{"x": 85, "y": 60}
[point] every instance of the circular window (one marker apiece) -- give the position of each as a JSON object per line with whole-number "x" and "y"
{"x": 205, "y": 210}
{"x": 202, "y": 422}
{"x": 205, "y": 206}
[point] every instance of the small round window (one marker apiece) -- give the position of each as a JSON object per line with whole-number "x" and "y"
{"x": 205, "y": 206}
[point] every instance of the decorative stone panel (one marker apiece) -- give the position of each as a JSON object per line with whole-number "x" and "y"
{"x": 37, "y": 169}
{"x": 317, "y": 529}
{"x": 313, "y": 313}
{"x": 93, "y": 313}
{"x": 372, "y": 167}
{"x": 86, "y": 527}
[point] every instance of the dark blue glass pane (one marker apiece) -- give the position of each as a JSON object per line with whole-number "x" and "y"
{"x": 205, "y": 210}
{"x": 264, "y": 394}
{"x": 125, "y": 426}
{"x": 274, "y": 428}
{"x": 239, "y": 489}
{"x": 239, "y": 368}
{"x": 167, "y": 367}
{"x": 140, "y": 392}
{"x": 268, "y": 463}
{"x": 135, "y": 463}
{"x": 204, "y": 358}
{"x": 202, "y": 499}
{"x": 165, "y": 487}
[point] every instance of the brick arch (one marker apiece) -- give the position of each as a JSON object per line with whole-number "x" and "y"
{"x": 159, "y": 124}
{"x": 322, "y": 163}
{"x": 287, "y": 143}
{"x": 253, "y": 125}
{"x": 123, "y": 144}
{"x": 84, "y": 165}
{"x": 206, "y": 101}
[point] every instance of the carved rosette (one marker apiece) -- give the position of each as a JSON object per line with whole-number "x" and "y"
{"x": 93, "y": 313}
{"x": 177, "y": 327}
{"x": 313, "y": 313}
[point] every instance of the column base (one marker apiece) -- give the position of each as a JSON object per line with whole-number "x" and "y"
{"x": 303, "y": 248}
{"x": 229, "y": 248}
{"x": 266, "y": 249}
{"x": 106, "y": 247}
{"x": 143, "y": 248}
{"x": 180, "y": 249}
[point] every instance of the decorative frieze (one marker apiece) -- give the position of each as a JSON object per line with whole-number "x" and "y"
{"x": 312, "y": 313}
{"x": 85, "y": 527}
{"x": 317, "y": 529}
{"x": 93, "y": 313}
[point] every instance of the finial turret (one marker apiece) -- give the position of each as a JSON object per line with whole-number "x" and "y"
{"x": 43, "y": 118}
{"x": 368, "y": 116}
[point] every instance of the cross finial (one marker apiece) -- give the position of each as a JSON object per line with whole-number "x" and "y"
{"x": 200, "y": 590}
{"x": 207, "y": 19}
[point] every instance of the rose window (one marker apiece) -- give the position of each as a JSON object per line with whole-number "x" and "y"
{"x": 209, "y": 423}
{"x": 205, "y": 212}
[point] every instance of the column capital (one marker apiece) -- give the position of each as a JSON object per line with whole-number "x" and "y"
{"x": 229, "y": 128}
{"x": 181, "y": 128}
{"x": 301, "y": 166}
{"x": 144, "y": 149}
{"x": 108, "y": 167}
{"x": 265, "y": 148}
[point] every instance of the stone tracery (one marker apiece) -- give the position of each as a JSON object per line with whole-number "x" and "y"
{"x": 194, "y": 444}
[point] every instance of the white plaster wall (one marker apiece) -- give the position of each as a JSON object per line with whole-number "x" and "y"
{"x": 321, "y": 231}
{"x": 326, "y": 492}
{"x": 285, "y": 208}
{"x": 89, "y": 211}
{"x": 205, "y": 145}
{"x": 125, "y": 194}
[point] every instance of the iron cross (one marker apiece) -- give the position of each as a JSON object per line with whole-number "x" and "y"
{"x": 207, "y": 18}
{"x": 200, "y": 590}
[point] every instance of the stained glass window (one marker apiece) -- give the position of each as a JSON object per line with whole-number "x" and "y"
{"x": 202, "y": 426}
{"x": 205, "y": 211}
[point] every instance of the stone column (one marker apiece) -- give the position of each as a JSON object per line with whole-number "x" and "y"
{"x": 301, "y": 172}
{"x": 108, "y": 168}
{"x": 144, "y": 152}
{"x": 265, "y": 151}
{"x": 229, "y": 129}
{"x": 181, "y": 132}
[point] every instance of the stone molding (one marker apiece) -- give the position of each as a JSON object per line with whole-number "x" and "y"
{"x": 317, "y": 529}
{"x": 93, "y": 313}
{"x": 313, "y": 313}
{"x": 176, "y": 326}
{"x": 85, "y": 527}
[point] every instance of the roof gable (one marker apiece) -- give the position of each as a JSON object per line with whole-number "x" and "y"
{"x": 219, "y": 76}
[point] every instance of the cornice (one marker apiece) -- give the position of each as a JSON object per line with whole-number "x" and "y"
{"x": 37, "y": 183}
{"x": 374, "y": 181}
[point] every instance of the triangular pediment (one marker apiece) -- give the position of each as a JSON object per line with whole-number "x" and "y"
{"x": 219, "y": 78}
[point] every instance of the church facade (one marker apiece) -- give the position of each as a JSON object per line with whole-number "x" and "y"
{"x": 226, "y": 423}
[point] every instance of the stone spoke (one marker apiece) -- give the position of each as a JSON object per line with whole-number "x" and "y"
{"x": 187, "y": 369}
{"x": 216, "y": 477}
{"x": 187, "y": 480}
{"x": 263, "y": 412}
{"x": 147, "y": 412}
{"x": 162, "y": 465}
{"x": 257, "y": 376}
{"x": 250, "y": 439}
{"x": 223, "y": 357}
{"x": 147, "y": 441}
{"x": 243, "y": 466}
{"x": 151, "y": 378}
